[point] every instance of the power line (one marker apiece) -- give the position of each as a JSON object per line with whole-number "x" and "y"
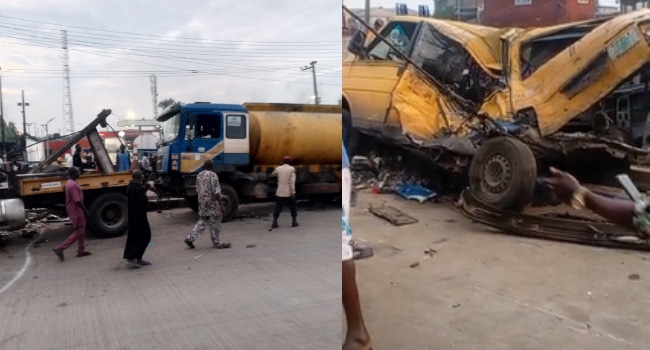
{"x": 192, "y": 71}
{"x": 175, "y": 38}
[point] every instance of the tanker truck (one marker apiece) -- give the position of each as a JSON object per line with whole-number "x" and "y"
{"x": 246, "y": 143}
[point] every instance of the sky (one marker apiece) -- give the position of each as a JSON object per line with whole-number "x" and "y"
{"x": 221, "y": 51}
{"x": 413, "y": 4}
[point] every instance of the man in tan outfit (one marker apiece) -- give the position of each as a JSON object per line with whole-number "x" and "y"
{"x": 286, "y": 191}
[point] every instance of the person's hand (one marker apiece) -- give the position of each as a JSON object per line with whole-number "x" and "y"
{"x": 293, "y": 196}
{"x": 563, "y": 184}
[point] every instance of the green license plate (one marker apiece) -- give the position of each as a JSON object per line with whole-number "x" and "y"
{"x": 623, "y": 44}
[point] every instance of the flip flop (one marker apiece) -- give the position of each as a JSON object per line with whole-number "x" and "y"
{"x": 360, "y": 253}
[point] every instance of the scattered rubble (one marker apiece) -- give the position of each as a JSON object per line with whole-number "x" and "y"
{"x": 393, "y": 215}
{"x": 392, "y": 175}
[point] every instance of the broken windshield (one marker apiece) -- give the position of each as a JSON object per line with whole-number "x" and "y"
{"x": 542, "y": 49}
{"x": 450, "y": 63}
{"x": 170, "y": 128}
{"x": 398, "y": 34}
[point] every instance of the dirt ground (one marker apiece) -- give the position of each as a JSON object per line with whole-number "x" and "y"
{"x": 485, "y": 290}
{"x": 277, "y": 289}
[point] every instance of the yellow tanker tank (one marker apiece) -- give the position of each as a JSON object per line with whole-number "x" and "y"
{"x": 309, "y": 134}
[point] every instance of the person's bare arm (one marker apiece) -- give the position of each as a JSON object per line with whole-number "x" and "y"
{"x": 619, "y": 212}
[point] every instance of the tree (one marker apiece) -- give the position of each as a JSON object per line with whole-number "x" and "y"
{"x": 168, "y": 102}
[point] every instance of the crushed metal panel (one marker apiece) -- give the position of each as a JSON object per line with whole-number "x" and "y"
{"x": 393, "y": 215}
{"x": 560, "y": 227}
{"x": 543, "y": 89}
{"x": 420, "y": 109}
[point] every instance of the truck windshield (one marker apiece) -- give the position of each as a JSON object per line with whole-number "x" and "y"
{"x": 170, "y": 128}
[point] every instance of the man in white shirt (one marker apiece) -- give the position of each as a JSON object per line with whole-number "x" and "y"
{"x": 146, "y": 164}
{"x": 286, "y": 192}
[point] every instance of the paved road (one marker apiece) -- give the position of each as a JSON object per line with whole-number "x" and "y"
{"x": 271, "y": 290}
{"x": 483, "y": 290}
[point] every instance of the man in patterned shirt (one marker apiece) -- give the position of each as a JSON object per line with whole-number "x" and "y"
{"x": 357, "y": 337}
{"x": 211, "y": 207}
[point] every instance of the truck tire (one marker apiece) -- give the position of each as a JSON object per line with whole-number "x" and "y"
{"x": 109, "y": 215}
{"x": 193, "y": 202}
{"x": 230, "y": 201}
{"x": 503, "y": 173}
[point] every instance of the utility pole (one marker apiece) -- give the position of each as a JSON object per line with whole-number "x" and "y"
{"x": 47, "y": 137}
{"x": 2, "y": 120}
{"x": 367, "y": 12}
{"x": 312, "y": 66}
{"x": 68, "y": 116}
{"x": 154, "y": 95}
{"x": 23, "y": 104}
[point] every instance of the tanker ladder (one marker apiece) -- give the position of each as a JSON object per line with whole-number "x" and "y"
{"x": 571, "y": 229}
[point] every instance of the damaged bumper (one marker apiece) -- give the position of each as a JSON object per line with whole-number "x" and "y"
{"x": 556, "y": 227}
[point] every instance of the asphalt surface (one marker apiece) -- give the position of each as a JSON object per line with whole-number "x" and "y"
{"x": 275, "y": 289}
{"x": 483, "y": 290}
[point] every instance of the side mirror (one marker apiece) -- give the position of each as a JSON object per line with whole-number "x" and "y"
{"x": 355, "y": 46}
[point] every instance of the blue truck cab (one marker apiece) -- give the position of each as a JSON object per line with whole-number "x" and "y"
{"x": 192, "y": 133}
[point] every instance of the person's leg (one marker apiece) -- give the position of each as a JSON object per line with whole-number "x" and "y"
{"x": 357, "y": 337}
{"x": 81, "y": 243}
{"x": 294, "y": 211}
{"x": 74, "y": 236}
{"x": 143, "y": 242}
{"x": 196, "y": 232}
{"x": 215, "y": 229}
{"x": 279, "y": 204}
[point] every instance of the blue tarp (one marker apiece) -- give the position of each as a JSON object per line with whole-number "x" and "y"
{"x": 415, "y": 192}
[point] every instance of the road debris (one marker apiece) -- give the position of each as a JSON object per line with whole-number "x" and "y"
{"x": 565, "y": 228}
{"x": 634, "y": 277}
{"x": 393, "y": 215}
{"x": 415, "y": 264}
{"x": 430, "y": 252}
{"x": 415, "y": 192}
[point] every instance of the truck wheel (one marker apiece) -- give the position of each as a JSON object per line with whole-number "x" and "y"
{"x": 230, "y": 201}
{"x": 503, "y": 173}
{"x": 109, "y": 215}
{"x": 193, "y": 202}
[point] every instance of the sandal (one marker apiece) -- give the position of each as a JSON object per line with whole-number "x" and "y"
{"x": 221, "y": 246}
{"x": 360, "y": 253}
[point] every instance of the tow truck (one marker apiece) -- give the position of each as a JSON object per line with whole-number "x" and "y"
{"x": 104, "y": 191}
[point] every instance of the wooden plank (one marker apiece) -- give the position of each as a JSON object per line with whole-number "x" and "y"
{"x": 393, "y": 215}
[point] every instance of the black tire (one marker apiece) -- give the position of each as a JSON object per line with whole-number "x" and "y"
{"x": 503, "y": 173}
{"x": 193, "y": 202}
{"x": 230, "y": 201}
{"x": 109, "y": 215}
